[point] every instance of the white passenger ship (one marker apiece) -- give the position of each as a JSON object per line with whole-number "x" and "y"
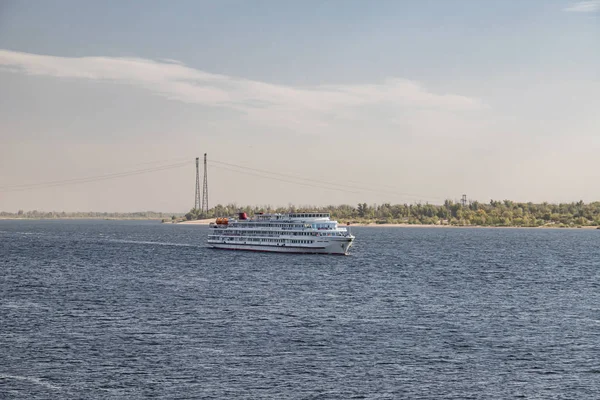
{"x": 284, "y": 233}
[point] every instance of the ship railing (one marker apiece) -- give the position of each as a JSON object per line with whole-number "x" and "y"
{"x": 268, "y": 229}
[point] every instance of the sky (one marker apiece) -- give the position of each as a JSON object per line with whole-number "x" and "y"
{"x": 104, "y": 106}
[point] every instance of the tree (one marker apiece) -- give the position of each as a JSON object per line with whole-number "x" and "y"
{"x": 362, "y": 209}
{"x": 192, "y": 214}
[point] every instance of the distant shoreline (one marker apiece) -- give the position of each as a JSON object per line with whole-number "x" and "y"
{"x": 206, "y": 222}
{"x": 82, "y": 218}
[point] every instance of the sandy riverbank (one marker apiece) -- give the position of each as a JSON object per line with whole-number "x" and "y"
{"x": 197, "y": 222}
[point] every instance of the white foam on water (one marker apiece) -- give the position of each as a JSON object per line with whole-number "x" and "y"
{"x": 15, "y": 304}
{"x": 31, "y": 379}
{"x": 154, "y": 243}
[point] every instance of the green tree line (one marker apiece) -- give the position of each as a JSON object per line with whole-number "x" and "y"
{"x": 494, "y": 213}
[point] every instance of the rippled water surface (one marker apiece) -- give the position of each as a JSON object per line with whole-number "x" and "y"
{"x": 121, "y": 309}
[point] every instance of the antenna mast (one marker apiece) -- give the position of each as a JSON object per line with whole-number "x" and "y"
{"x": 197, "y": 196}
{"x": 205, "y": 188}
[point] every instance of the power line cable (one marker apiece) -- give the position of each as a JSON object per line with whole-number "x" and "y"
{"x": 354, "y": 187}
{"x": 280, "y": 179}
{"x": 335, "y": 186}
{"x": 170, "y": 160}
{"x": 39, "y": 185}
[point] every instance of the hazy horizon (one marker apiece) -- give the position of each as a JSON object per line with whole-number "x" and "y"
{"x": 312, "y": 103}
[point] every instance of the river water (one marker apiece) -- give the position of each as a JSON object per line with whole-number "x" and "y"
{"x": 130, "y": 309}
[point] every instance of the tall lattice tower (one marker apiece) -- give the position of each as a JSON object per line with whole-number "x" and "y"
{"x": 205, "y": 188}
{"x": 197, "y": 197}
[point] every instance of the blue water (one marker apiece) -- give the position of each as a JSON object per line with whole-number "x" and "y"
{"x": 122, "y": 309}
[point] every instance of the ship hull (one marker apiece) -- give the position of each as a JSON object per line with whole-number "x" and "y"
{"x": 334, "y": 247}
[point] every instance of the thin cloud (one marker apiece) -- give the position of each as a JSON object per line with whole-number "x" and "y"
{"x": 589, "y": 6}
{"x": 259, "y": 100}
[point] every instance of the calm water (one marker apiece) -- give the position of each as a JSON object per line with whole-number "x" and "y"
{"x": 104, "y": 309}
